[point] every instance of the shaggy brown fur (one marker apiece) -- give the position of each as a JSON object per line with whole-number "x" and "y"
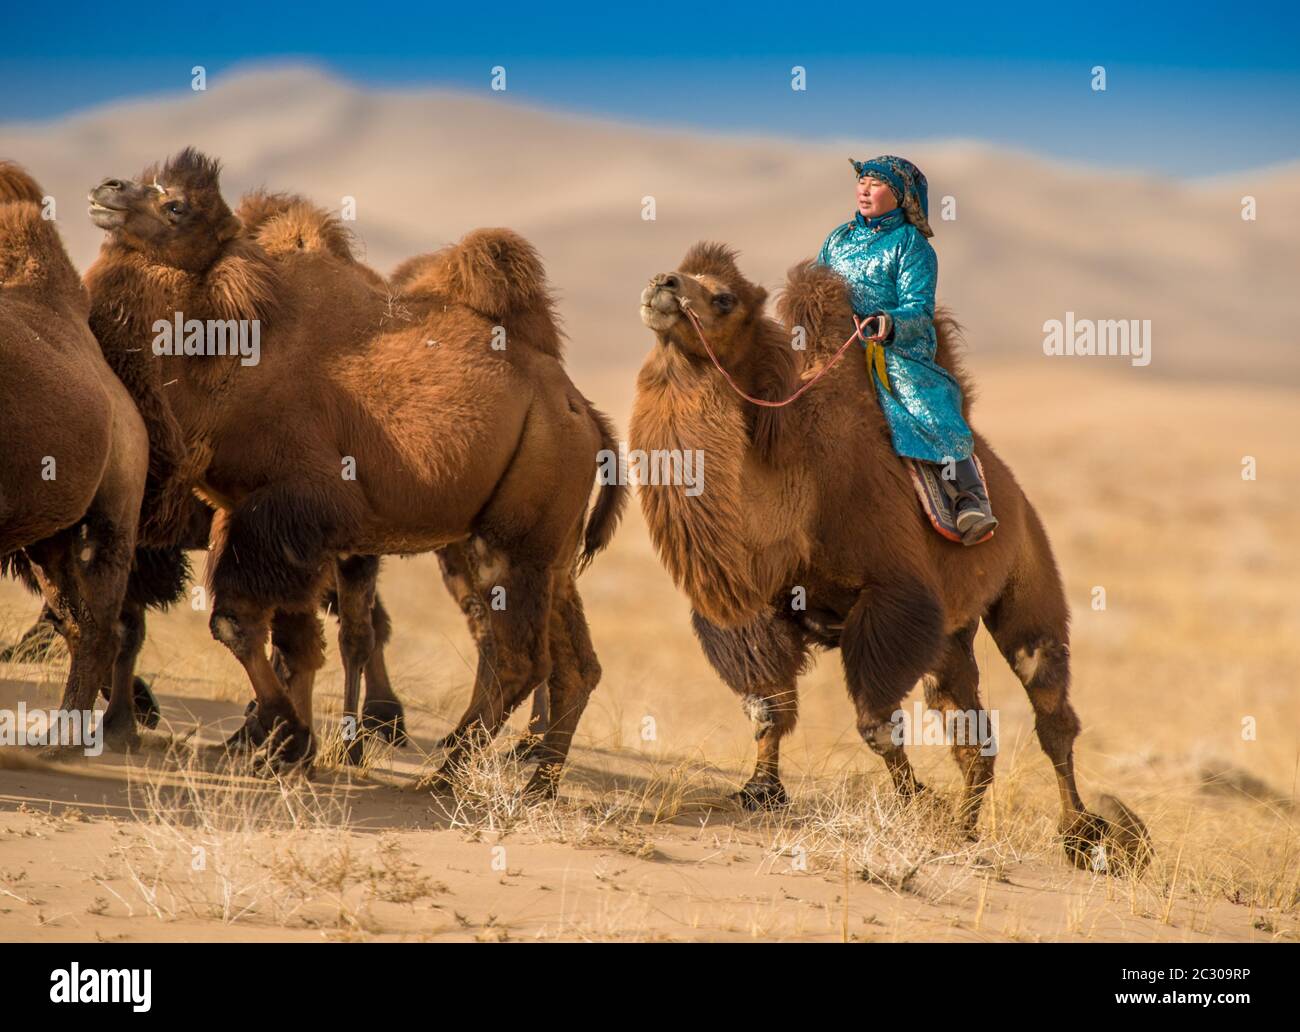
{"x": 73, "y": 466}
{"x": 453, "y": 442}
{"x": 808, "y": 533}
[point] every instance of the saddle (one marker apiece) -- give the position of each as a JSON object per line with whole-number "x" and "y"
{"x": 938, "y": 496}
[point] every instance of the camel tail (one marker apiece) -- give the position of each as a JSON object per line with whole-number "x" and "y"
{"x": 610, "y": 502}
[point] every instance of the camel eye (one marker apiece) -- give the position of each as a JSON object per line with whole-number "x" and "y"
{"x": 724, "y": 303}
{"x": 175, "y": 208}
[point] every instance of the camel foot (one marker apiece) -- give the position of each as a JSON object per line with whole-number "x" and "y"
{"x": 385, "y": 718}
{"x": 353, "y": 750}
{"x": 146, "y": 706}
{"x": 441, "y": 781}
{"x": 119, "y": 732}
{"x": 526, "y": 748}
{"x": 1117, "y": 843}
{"x": 544, "y": 785}
{"x": 762, "y": 794}
{"x": 287, "y": 747}
{"x": 249, "y": 735}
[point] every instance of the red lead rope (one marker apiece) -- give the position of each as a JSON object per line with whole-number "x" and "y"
{"x": 694, "y": 321}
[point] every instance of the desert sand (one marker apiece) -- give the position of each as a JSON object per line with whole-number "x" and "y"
{"x": 1136, "y": 471}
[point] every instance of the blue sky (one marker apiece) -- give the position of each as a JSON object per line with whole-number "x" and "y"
{"x": 1190, "y": 88}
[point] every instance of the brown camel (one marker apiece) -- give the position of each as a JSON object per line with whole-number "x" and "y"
{"x": 454, "y": 426}
{"x": 808, "y": 534}
{"x": 159, "y": 573}
{"x": 76, "y": 454}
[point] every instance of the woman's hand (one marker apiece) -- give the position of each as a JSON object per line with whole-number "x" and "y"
{"x": 884, "y": 326}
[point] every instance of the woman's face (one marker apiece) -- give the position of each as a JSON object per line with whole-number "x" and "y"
{"x": 875, "y": 197}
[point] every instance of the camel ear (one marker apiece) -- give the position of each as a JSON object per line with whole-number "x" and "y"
{"x": 230, "y": 228}
{"x": 760, "y": 298}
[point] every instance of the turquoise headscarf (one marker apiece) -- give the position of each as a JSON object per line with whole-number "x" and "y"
{"x": 908, "y": 183}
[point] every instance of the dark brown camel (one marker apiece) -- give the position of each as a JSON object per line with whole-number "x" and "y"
{"x": 75, "y": 456}
{"x": 808, "y": 533}
{"x": 456, "y": 425}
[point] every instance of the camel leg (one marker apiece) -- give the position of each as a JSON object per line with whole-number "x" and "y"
{"x": 355, "y": 578}
{"x": 954, "y": 690}
{"x": 761, "y": 663}
{"x": 274, "y": 722}
{"x": 891, "y": 637}
{"x": 120, "y": 714}
{"x": 382, "y": 712}
{"x": 83, "y": 574}
{"x": 1030, "y": 623}
{"x": 575, "y": 672}
{"x": 458, "y": 576}
{"x": 299, "y": 637}
{"x": 1041, "y": 660}
{"x": 514, "y": 659}
{"x": 158, "y": 578}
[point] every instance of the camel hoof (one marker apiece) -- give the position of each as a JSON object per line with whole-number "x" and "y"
{"x": 526, "y": 748}
{"x": 441, "y": 781}
{"x": 250, "y": 734}
{"x": 119, "y": 733}
{"x": 1111, "y": 841}
{"x": 543, "y": 786}
{"x": 353, "y": 751}
{"x": 385, "y": 718}
{"x": 287, "y": 747}
{"x": 146, "y": 706}
{"x": 756, "y": 796}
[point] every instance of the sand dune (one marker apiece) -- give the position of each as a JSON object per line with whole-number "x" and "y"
{"x": 1031, "y": 240}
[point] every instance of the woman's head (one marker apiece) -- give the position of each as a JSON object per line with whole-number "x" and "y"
{"x": 904, "y": 187}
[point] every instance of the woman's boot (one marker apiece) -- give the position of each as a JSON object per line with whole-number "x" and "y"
{"x": 974, "y": 513}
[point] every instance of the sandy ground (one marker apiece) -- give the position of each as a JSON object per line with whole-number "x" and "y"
{"x": 1139, "y": 482}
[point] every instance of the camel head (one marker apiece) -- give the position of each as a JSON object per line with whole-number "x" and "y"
{"x": 173, "y": 213}
{"x": 727, "y": 305}
{"x": 753, "y": 348}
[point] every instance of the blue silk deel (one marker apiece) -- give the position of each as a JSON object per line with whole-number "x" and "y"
{"x": 890, "y": 267}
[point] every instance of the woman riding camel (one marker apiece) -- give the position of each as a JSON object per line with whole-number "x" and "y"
{"x": 891, "y": 270}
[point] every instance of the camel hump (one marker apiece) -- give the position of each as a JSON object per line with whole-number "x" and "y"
{"x": 495, "y": 272}
{"x": 283, "y": 223}
{"x": 816, "y": 298}
{"x": 17, "y": 185}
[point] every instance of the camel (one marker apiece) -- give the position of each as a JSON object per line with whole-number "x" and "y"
{"x": 160, "y": 573}
{"x": 455, "y": 427}
{"x": 76, "y": 453}
{"x": 808, "y": 534}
